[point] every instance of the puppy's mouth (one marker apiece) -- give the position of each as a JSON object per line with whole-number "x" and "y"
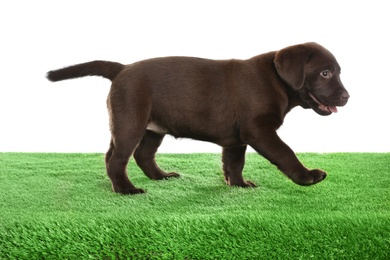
{"x": 325, "y": 109}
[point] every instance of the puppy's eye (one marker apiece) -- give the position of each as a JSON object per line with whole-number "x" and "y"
{"x": 326, "y": 74}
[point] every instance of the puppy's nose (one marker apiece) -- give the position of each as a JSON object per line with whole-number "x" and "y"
{"x": 344, "y": 95}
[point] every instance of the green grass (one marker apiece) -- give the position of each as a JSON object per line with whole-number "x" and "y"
{"x": 60, "y": 206}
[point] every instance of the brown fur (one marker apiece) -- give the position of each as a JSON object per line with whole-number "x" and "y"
{"x": 233, "y": 103}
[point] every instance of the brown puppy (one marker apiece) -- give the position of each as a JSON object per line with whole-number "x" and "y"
{"x": 233, "y": 103}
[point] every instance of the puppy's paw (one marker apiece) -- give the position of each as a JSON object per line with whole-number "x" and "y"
{"x": 160, "y": 175}
{"x": 129, "y": 191}
{"x": 250, "y": 184}
{"x": 310, "y": 177}
{"x": 172, "y": 175}
{"x": 318, "y": 175}
{"x": 243, "y": 184}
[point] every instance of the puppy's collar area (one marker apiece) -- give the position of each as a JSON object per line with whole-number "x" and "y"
{"x": 331, "y": 109}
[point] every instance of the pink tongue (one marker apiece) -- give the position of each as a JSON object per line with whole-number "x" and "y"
{"x": 333, "y": 109}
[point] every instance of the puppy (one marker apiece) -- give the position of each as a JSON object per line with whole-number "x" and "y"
{"x": 232, "y": 103}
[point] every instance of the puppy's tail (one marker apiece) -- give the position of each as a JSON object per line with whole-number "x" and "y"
{"x": 106, "y": 69}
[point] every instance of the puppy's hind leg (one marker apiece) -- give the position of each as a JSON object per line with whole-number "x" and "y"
{"x": 144, "y": 155}
{"x": 126, "y": 134}
{"x": 117, "y": 158}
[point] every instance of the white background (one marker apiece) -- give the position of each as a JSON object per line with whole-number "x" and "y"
{"x": 70, "y": 116}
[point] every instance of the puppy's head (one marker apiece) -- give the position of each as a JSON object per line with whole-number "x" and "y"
{"x": 314, "y": 73}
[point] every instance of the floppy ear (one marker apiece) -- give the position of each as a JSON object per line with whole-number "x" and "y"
{"x": 290, "y": 63}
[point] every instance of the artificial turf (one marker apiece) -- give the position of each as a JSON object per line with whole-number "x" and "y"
{"x": 60, "y": 206}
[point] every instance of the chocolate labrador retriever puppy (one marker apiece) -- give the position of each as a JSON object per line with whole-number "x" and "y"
{"x": 233, "y": 103}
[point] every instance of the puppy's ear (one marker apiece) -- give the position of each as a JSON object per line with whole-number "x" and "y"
{"x": 290, "y": 63}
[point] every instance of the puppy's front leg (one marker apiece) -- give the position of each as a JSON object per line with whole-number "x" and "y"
{"x": 267, "y": 143}
{"x": 233, "y": 159}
